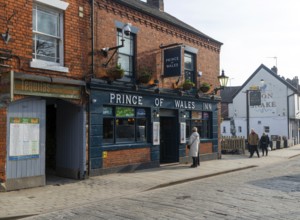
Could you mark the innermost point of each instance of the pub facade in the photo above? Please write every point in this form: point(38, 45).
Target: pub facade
point(136, 123)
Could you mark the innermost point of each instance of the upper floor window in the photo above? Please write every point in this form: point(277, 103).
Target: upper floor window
point(126, 54)
point(189, 66)
point(47, 26)
point(46, 34)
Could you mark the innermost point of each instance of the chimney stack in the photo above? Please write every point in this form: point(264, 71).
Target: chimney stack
point(295, 82)
point(159, 4)
point(274, 69)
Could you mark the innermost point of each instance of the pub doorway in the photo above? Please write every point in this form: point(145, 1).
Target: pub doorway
point(169, 141)
point(65, 140)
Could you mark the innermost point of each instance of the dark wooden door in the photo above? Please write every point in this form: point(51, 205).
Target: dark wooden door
point(169, 145)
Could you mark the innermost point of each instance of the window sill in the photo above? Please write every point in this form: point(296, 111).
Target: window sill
point(55, 3)
point(48, 66)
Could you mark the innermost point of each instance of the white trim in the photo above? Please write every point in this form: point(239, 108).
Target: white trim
point(54, 3)
point(40, 64)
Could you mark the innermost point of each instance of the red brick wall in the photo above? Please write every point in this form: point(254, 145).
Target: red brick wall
point(2, 143)
point(151, 34)
point(76, 38)
point(126, 157)
point(205, 148)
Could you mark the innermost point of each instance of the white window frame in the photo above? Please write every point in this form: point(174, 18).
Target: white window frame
point(60, 6)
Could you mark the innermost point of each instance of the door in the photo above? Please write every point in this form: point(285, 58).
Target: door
point(169, 145)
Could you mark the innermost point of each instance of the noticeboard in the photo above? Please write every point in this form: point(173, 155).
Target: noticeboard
point(24, 138)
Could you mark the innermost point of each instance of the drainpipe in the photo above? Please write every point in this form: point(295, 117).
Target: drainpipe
point(92, 2)
point(288, 113)
point(92, 29)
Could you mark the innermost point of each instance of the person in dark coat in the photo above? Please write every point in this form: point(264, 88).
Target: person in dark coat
point(264, 143)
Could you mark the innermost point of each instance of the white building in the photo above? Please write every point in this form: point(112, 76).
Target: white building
point(278, 113)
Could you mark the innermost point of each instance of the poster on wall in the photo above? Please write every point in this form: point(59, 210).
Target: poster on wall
point(24, 138)
point(156, 133)
point(182, 132)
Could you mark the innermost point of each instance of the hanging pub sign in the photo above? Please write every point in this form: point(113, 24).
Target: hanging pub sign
point(172, 62)
point(255, 98)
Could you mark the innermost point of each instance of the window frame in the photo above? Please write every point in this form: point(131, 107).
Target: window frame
point(53, 6)
point(200, 125)
point(128, 74)
point(136, 118)
point(192, 71)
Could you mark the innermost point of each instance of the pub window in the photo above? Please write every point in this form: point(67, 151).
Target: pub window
point(206, 125)
point(126, 54)
point(201, 120)
point(124, 125)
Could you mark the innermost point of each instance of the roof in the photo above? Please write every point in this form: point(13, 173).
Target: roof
point(164, 16)
point(228, 92)
point(262, 66)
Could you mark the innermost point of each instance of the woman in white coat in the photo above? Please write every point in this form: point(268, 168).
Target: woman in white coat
point(194, 146)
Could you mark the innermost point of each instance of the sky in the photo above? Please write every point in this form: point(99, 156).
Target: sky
point(253, 32)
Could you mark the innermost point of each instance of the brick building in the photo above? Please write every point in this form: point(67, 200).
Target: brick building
point(43, 62)
point(135, 123)
point(64, 111)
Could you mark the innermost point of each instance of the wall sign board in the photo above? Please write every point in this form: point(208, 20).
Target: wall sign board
point(172, 62)
point(255, 98)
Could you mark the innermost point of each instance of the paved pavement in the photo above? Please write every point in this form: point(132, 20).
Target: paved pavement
point(65, 193)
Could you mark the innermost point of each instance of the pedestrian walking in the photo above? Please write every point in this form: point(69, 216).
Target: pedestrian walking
point(264, 143)
point(253, 141)
point(194, 146)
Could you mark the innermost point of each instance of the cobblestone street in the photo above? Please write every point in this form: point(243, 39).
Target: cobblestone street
point(269, 191)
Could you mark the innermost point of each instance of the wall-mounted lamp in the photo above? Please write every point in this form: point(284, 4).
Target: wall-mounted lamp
point(93, 101)
point(183, 114)
point(155, 113)
point(126, 30)
point(223, 82)
point(6, 36)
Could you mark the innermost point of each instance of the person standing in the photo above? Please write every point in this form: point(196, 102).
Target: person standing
point(264, 143)
point(194, 146)
point(253, 141)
